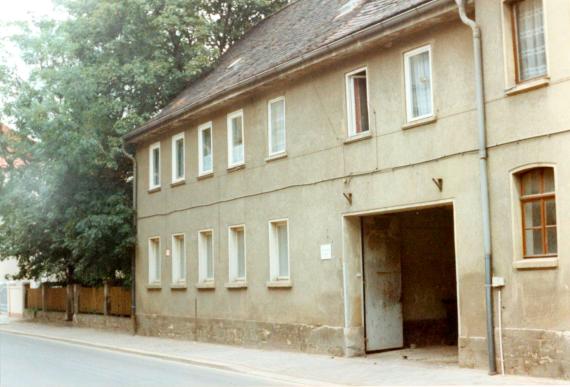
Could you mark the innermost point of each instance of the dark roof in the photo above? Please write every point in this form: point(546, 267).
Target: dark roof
point(297, 29)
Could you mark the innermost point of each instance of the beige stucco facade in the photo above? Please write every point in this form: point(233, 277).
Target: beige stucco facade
point(391, 170)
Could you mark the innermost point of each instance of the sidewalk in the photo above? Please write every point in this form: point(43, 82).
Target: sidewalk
point(298, 368)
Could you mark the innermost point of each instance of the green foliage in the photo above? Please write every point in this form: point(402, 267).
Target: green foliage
point(96, 75)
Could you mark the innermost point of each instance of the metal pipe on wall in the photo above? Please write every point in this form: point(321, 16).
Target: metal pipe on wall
point(133, 258)
point(484, 179)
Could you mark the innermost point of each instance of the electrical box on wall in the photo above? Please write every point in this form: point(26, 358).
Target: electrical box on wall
point(326, 251)
point(498, 282)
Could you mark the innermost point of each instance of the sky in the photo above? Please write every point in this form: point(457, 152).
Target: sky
point(21, 10)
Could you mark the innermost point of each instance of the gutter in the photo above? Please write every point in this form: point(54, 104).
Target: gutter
point(316, 55)
point(133, 258)
point(484, 180)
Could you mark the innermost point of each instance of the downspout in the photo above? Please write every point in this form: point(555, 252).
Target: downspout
point(484, 180)
point(133, 258)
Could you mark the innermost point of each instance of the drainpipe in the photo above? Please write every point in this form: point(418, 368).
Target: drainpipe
point(484, 180)
point(133, 258)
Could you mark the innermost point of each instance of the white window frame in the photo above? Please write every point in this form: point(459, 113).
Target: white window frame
point(274, 252)
point(269, 128)
point(232, 254)
point(202, 128)
point(202, 258)
point(350, 102)
point(408, 83)
point(182, 278)
point(153, 261)
point(151, 149)
point(175, 138)
point(231, 117)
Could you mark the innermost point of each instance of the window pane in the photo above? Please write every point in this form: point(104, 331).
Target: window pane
point(240, 242)
point(530, 36)
point(533, 242)
point(277, 119)
point(420, 79)
point(179, 158)
point(550, 205)
point(531, 182)
point(155, 258)
point(156, 166)
point(532, 214)
point(360, 103)
point(552, 240)
point(209, 256)
point(206, 149)
point(180, 260)
point(282, 241)
point(237, 140)
point(548, 180)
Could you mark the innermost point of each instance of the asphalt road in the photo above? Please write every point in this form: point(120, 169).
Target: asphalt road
point(28, 361)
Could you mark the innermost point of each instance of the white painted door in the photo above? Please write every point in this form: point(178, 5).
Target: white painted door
point(382, 284)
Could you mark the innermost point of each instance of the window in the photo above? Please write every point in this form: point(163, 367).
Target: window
point(279, 250)
point(154, 166)
point(538, 208)
point(277, 131)
point(178, 158)
point(236, 250)
point(418, 80)
point(205, 149)
point(178, 259)
point(206, 256)
point(235, 139)
point(357, 98)
point(154, 260)
point(530, 44)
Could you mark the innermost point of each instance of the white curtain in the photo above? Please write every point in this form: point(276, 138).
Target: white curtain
point(420, 78)
point(277, 126)
point(530, 35)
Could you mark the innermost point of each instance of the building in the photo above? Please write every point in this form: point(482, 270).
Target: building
point(319, 190)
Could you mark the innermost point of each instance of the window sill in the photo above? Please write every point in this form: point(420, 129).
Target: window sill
point(236, 285)
point(178, 183)
point(420, 122)
point(179, 286)
point(153, 286)
point(277, 156)
point(205, 176)
point(536, 263)
point(205, 286)
point(279, 284)
point(528, 86)
point(153, 190)
point(236, 167)
point(358, 137)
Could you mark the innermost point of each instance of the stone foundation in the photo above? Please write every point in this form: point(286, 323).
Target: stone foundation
point(290, 337)
point(537, 352)
point(534, 352)
point(96, 321)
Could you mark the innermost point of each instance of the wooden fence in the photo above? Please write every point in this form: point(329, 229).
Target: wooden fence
point(108, 300)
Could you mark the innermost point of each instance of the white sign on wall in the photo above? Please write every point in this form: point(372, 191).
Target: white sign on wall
point(326, 251)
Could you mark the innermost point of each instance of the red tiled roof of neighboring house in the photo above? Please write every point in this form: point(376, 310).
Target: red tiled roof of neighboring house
point(6, 131)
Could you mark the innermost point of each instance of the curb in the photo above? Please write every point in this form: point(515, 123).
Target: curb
point(179, 359)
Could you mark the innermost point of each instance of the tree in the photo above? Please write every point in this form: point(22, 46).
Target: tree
point(96, 75)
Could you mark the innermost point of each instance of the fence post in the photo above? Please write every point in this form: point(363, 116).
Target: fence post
point(44, 298)
point(76, 290)
point(106, 299)
point(26, 295)
point(69, 303)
